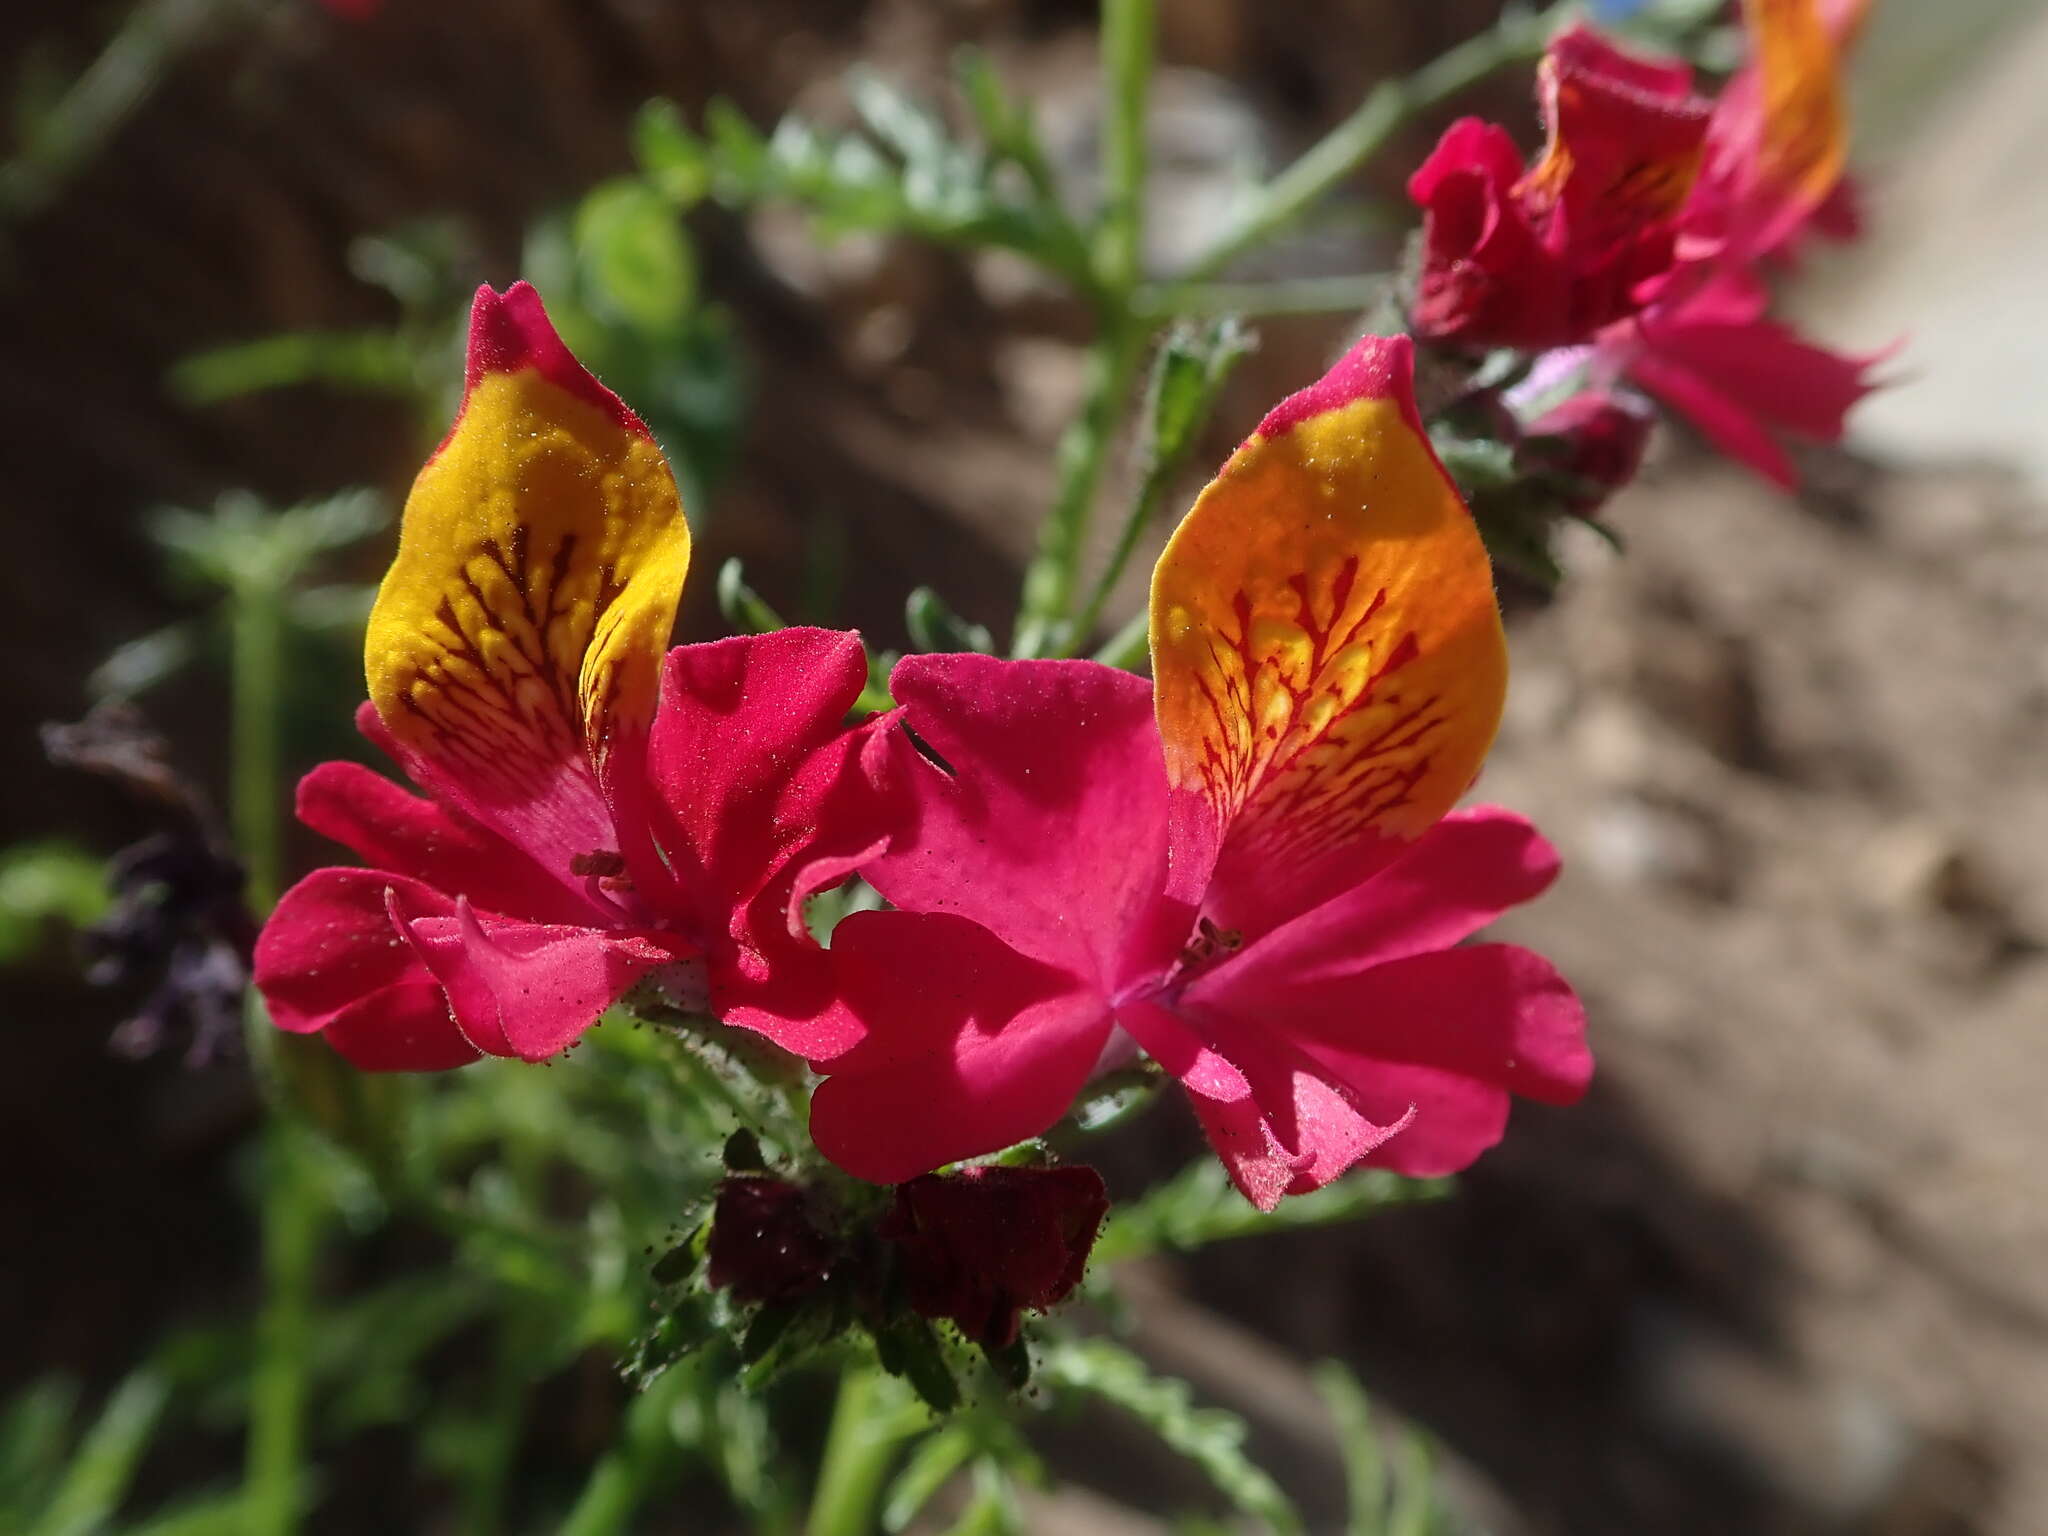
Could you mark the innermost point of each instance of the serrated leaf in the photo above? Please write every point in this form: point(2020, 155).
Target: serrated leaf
point(904, 125)
point(1199, 1206)
point(1212, 1438)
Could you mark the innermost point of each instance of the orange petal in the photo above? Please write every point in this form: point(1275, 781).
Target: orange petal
point(1805, 131)
point(1327, 654)
point(517, 639)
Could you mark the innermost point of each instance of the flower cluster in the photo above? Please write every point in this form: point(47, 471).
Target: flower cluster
point(1248, 869)
point(1634, 250)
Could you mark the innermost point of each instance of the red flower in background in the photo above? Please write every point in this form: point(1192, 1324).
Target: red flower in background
point(595, 815)
point(979, 1246)
point(1705, 344)
point(1545, 257)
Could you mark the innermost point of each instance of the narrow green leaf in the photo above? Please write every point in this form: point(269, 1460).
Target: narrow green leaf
point(98, 1478)
point(361, 362)
point(741, 604)
point(935, 1459)
point(908, 1348)
point(934, 626)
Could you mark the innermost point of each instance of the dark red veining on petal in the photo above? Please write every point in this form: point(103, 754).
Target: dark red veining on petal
point(1317, 804)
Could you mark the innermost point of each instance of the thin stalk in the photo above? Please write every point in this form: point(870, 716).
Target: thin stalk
point(1084, 450)
point(1292, 296)
point(1517, 37)
point(290, 1206)
point(257, 774)
point(1159, 476)
point(1128, 31)
point(869, 1424)
point(1128, 646)
point(292, 1219)
point(642, 1452)
point(1128, 28)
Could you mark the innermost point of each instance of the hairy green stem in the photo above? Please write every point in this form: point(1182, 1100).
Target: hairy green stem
point(1291, 296)
point(277, 1391)
point(1129, 645)
point(1158, 479)
point(1084, 449)
point(1128, 28)
point(871, 1418)
point(643, 1450)
point(290, 1206)
point(255, 789)
point(1518, 36)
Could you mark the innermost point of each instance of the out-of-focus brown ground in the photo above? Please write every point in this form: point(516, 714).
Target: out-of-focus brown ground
point(1783, 1272)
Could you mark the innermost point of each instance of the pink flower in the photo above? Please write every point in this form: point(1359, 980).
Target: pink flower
point(1545, 257)
point(1250, 876)
point(1704, 344)
point(1712, 353)
point(1779, 139)
point(594, 817)
point(979, 1246)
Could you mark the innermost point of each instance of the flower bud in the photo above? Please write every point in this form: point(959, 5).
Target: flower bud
point(980, 1245)
point(764, 1247)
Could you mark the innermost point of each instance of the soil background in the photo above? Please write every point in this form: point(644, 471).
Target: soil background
point(1786, 1271)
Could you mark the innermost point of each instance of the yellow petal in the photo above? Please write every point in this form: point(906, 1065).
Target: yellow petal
point(1327, 653)
point(517, 638)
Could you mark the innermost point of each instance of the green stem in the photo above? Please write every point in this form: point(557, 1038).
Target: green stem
point(643, 1451)
point(1084, 450)
point(1292, 296)
point(1128, 29)
point(292, 1218)
point(1518, 36)
point(1158, 478)
point(1128, 646)
point(290, 1206)
point(257, 775)
point(869, 1423)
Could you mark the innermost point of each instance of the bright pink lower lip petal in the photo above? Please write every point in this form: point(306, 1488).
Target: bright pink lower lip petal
point(330, 961)
point(1455, 879)
point(392, 829)
point(1278, 1125)
point(970, 1046)
point(1048, 825)
point(1494, 1013)
point(528, 989)
point(764, 799)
